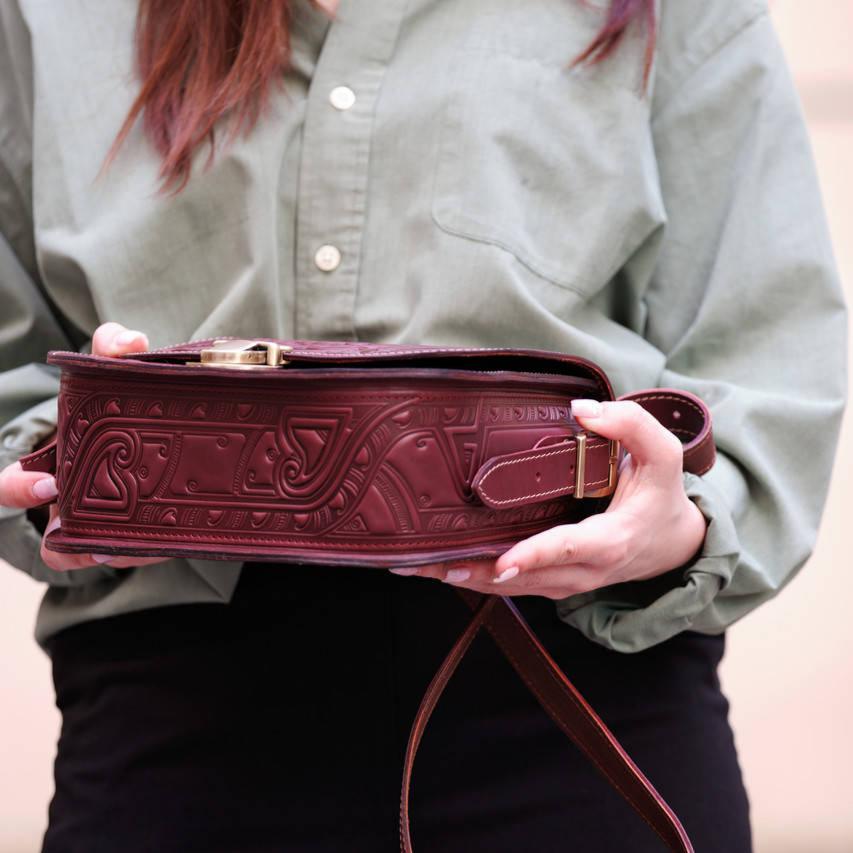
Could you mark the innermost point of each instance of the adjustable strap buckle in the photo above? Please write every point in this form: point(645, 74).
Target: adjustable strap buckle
point(581, 491)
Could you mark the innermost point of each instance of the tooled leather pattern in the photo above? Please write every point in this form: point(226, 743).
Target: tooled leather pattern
point(337, 466)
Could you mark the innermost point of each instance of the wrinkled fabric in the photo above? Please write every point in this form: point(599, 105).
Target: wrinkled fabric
point(480, 192)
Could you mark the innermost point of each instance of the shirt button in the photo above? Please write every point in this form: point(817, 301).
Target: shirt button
point(327, 258)
point(342, 97)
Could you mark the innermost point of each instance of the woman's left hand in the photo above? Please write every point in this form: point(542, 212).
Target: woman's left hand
point(649, 527)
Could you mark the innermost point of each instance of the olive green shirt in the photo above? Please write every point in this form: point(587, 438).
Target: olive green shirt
point(435, 172)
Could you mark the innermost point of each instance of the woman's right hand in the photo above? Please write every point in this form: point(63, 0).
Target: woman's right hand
point(25, 489)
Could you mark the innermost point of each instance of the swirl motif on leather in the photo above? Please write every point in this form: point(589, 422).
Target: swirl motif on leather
point(293, 467)
point(353, 453)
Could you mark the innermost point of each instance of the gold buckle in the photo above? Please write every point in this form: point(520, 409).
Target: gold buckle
point(580, 469)
point(244, 354)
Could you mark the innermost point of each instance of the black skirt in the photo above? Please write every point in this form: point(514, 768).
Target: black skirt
point(278, 723)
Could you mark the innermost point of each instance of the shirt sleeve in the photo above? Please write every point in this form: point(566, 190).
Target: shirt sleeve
point(29, 327)
point(744, 303)
point(28, 394)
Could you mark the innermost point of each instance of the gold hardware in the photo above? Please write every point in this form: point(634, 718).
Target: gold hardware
point(580, 463)
point(580, 469)
point(244, 354)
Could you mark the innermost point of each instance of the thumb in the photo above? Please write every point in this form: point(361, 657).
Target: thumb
point(114, 339)
point(17, 487)
point(641, 434)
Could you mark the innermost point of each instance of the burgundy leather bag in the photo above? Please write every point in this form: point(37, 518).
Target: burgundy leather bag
point(358, 454)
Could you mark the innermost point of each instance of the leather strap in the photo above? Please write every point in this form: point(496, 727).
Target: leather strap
point(428, 703)
point(43, 459)
point(688, 417)
point(561, 701)
point(549, 470)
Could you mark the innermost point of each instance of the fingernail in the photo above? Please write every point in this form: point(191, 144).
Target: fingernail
point(586, 408)
point(457, 576)
point(103, 558)
point(45, 488)
point(507, 574)
point(52, 525)
point(125, 338)
point(405, 571)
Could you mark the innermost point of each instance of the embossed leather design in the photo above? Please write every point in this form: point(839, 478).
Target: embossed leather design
point(355, 453)
point(351, 453)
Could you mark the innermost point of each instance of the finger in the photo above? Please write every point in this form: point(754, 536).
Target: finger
point(116, 561)
point(554, 583)
point(62, 562)
point(601, 540)
point(114, 339)
point(642, 435)
point(22, 489)
point(452, 572)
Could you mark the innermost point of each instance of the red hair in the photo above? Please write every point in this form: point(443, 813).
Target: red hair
point(202, 59)
point(619, 17)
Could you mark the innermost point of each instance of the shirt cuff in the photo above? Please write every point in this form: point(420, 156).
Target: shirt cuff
point(633, 616)
point(20, 435)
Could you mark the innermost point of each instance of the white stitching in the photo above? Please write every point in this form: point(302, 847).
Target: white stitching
point(561, 489)
point(681, 400)
point(36, 456)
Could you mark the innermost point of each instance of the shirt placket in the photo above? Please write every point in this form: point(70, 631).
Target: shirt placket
point(332, 192)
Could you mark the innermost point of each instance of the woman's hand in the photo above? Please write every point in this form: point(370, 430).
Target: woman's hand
point(649, 527)
point(25, 489)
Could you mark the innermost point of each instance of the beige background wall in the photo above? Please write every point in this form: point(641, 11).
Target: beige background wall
point(789, 668)
point(788, 671)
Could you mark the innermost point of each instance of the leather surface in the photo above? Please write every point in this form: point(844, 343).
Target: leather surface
point(354, 453)
point(351, 453)
point(43, 459)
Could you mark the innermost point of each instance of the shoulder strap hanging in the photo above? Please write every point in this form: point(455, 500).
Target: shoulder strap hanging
point(689, 418)
point(560, 700)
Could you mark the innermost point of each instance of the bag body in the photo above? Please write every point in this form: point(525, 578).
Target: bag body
point(326, 452)
point(343, 453)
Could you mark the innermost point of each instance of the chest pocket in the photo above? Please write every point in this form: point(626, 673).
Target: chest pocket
point(548, 163)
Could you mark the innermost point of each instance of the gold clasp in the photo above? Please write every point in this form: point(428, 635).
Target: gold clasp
point(580, 469)
point(244, 354)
